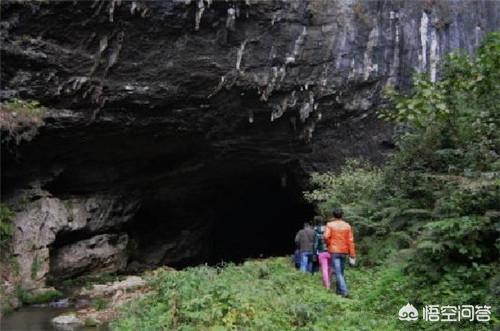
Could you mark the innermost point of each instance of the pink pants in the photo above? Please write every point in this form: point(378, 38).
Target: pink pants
point(324, 259)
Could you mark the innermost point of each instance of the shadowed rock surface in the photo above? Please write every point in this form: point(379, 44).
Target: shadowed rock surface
point(192, 126)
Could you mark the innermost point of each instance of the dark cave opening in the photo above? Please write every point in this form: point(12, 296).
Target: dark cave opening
point(260, 221)
point(249, 213)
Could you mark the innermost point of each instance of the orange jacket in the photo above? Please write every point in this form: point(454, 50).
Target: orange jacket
point(339, 238)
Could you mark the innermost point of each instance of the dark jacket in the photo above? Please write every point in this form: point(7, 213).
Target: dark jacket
point(305, 240)
point(319, 240)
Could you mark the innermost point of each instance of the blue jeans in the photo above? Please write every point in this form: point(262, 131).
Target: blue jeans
point(296, 259)
point(338, 261)
point(305, 261)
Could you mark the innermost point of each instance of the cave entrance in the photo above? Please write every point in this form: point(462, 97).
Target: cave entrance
point(261, 219)
point(247, 213)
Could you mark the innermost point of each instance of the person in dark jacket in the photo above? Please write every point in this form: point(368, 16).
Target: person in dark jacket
point(296, 259)
point(305, 242)
point(322, 253)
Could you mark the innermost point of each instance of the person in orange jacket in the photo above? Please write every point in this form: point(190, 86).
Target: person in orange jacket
point(340, 243)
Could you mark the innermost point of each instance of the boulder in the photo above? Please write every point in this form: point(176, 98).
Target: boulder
point(101, 253)
point(67, 322)
point(48, 221)
point(130, 283)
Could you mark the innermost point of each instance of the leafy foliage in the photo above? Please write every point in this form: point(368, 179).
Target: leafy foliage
point(356, 181)
point(20, 120)
point(29, 298)
point(5, 225)
point(30, 107)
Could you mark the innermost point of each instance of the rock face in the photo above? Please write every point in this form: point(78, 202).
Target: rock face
point(180, 123)
point(102, 253)
point(51, 223)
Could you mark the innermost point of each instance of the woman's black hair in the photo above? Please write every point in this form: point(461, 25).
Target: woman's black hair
point(337, 213)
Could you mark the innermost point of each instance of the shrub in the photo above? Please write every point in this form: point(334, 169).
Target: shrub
point(26, 107)
point(29, 298)
point(99, 303)
point(356, 182)
point(6, 216)
point(20, 119)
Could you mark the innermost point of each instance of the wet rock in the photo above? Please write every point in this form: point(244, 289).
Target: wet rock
point(63, 303)
point(67, 322)
point(114, 294)
point(102, 253)
point(82, 303)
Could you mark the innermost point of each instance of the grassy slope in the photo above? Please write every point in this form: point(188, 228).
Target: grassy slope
point(271, 295)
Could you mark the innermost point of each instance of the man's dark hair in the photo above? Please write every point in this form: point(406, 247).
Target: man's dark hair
point(318, 220)
point(337, 213)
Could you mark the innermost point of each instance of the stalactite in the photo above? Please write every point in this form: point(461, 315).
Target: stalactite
point(200, 8)
point(113, 58)
point(424, 22)
point(231, 18)
point(239, 55)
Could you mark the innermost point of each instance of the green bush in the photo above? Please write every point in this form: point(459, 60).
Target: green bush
point(27, 107)
point(29, 298)
point(99, 303)
point(6, 215)
point(357, 181)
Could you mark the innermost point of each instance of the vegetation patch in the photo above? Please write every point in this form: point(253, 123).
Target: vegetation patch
point(45, 296)
point(20, 119)
point(271, 295)
point(100, 303)
point(6, 231)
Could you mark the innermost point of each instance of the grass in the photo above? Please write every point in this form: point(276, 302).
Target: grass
point(47, 296)
point(100, 303)
point(271, 295)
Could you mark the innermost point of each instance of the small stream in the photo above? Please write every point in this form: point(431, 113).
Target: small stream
point(38, 319)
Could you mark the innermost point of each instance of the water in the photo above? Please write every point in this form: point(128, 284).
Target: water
point(37, 319)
